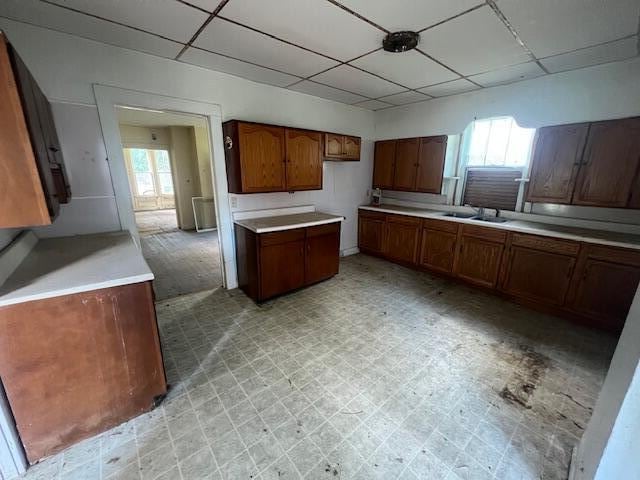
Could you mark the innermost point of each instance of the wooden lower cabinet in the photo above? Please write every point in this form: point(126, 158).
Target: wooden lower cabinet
point(402, 238)
point(589, 283)
point(270, 264)
point(76, 365)
point(604, 284)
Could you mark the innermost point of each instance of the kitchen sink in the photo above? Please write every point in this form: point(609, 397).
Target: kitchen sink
point(460, 215)
point(489, 219)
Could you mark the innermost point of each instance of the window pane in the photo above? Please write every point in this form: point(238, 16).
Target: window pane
point(144, 184)
point(498, 140)
point(139, 160)
point(166, 183)
point(162, 161)
point(520, 144)
point(478, 146)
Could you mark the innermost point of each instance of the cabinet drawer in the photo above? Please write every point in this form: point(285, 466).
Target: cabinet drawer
point(442, 225)
point(563, 247)
point(285, 236)
point(403, 219)
point(320, 230)
point(613, 254)
point(372, 214)
point(485, 233)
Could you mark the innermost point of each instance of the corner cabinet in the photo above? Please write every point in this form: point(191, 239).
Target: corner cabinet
point(270, 264)
point(266, 158)
point(410, 164)
point(33, 181)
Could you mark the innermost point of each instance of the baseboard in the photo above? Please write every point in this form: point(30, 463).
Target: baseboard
point(349, 251)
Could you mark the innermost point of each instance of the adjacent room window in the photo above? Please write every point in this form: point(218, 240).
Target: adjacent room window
point(495, 156)
point(150, 178)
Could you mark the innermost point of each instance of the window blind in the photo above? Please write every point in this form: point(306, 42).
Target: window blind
point(492, 188)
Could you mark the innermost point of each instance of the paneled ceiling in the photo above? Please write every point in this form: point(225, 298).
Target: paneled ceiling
point(332, 48)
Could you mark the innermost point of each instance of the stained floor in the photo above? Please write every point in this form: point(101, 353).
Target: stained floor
point(182, 261)
point(378, 373)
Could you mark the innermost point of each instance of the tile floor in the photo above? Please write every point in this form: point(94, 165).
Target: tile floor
point(156, 221)
point(378, 373)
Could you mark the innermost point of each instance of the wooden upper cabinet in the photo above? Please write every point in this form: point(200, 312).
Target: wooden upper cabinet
point(341, 147)
point(609, 164)
point(32, 178)
point(555, 162)
point(404, 177)
point(431, 157)
point(261, 150)
point(384, 164)
point(304, 162)
point(268, 158)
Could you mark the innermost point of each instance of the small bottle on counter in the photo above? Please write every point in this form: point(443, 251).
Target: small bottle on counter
point(376, 196)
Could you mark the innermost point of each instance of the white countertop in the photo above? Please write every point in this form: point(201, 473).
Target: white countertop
point(287, 222)
point(602, 237)
point(64, 266)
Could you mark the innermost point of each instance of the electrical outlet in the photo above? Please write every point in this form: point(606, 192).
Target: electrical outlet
point(234, 202)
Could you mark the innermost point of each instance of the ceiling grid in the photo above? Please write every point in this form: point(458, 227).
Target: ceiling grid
point(332, 48)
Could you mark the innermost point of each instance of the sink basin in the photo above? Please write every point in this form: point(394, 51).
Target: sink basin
point(489, 219)
point(459, 215)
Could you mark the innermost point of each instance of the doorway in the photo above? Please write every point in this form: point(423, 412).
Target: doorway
point(169, 170)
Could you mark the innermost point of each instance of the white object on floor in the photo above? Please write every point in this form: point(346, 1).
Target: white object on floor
point(68, 265)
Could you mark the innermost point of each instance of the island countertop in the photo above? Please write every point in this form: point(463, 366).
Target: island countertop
point(68, 265)
point(287, 222)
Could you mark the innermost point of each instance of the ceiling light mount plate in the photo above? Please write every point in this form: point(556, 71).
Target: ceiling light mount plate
point(398, 42)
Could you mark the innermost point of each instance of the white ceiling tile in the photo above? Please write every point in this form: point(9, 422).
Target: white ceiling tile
point(314, 24)
point(208, 5)
point(405, 98)
point(219, 63)
point(67, 21)
point(224, 37)
point(373, 105)
point(323, 91)
point(411, 69)
point(409, 14)
point(356, 81)
point(169, 18)
point(472, 43)
point(608, 52)
point(549, 27)
point(513, 73)
point(449, 88)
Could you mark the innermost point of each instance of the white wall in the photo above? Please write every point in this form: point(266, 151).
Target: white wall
point(66, 67)
point(597, 93)
point(610, 446)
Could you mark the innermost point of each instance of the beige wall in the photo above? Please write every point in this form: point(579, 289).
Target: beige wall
point(134, 136)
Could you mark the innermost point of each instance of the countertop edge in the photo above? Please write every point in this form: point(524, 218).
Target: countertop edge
point(119, 282)
point(438, 215)
point(290, 226)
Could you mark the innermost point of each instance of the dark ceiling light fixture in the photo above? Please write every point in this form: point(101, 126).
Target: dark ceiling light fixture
point(398, 42)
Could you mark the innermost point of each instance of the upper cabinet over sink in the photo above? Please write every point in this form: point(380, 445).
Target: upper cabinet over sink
point(410, 164)
point(33, 182)
point(591, 164)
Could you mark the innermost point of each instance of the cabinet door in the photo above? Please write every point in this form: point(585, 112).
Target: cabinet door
point(384, 164)
point(333, 145)
point(555, 162)
point(537, 275)
point(262, 158)
point(431, 164)
point(478, 261)
point(604, 292)
point(402, 239)
point(281, 268)
point(304, 159)
point(438, 250)
point(370, 234)
point(323, 253)
point(352, 148)
point(404, 177)
point(610, 163)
